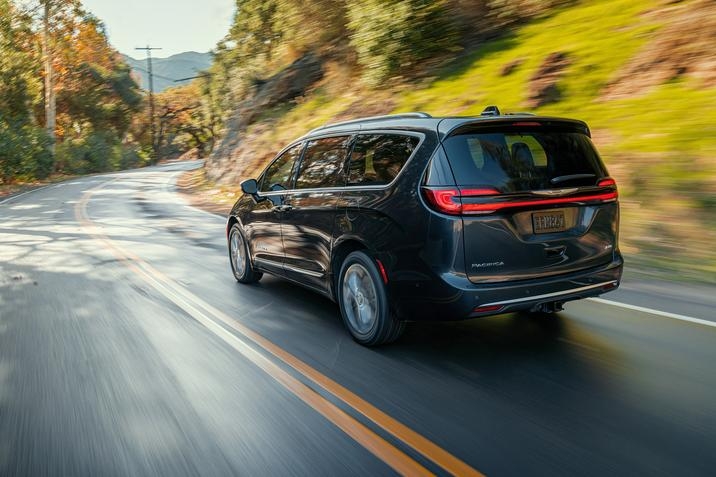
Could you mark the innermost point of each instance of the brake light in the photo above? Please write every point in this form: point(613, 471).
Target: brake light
point(527, 124)
point(449, 200)
point(608, 182)
point(442, 200)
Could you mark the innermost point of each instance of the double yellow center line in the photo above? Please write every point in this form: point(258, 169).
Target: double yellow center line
point(211, 317)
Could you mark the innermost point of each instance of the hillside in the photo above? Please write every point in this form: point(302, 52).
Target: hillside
point(166, 70)
point(641, 73)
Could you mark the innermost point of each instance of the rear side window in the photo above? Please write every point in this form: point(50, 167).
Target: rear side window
point(524, 160)
point(378, 158)
point(323, 163)
point(278, 174)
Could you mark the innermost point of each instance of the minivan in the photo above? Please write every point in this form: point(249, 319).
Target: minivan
point(411, 217)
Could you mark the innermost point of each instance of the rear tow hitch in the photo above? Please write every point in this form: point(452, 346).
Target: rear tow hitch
point(549, 307)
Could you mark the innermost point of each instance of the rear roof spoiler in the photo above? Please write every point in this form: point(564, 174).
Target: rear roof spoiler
point(448, 128)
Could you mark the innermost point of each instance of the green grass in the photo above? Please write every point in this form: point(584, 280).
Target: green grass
point(661, 145)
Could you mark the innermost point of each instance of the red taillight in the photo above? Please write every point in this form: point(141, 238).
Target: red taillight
point(449, 200)
point(495, 206)
point(608, 182)
point(442, 200)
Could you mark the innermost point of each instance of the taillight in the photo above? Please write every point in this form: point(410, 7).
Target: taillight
point(446, 201)
point(450, 200)
point(611, 183)
point(608, 182)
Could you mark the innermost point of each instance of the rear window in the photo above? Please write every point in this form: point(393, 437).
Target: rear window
point(524, 160)
point(377, 159)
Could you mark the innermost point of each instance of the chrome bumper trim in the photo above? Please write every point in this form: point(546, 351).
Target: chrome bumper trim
point(552, 295)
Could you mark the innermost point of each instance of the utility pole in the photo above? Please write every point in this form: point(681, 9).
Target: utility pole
point(152, 127)
point(50, 100)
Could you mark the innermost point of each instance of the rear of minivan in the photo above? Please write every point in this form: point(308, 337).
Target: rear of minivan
point(537, 210)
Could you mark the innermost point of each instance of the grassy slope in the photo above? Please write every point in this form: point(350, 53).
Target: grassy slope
point(661, 145)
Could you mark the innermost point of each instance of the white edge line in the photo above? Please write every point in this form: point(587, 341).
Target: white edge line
point(655, 312)
point(17, 196)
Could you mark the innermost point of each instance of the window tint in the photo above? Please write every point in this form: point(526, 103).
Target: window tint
point(323, 162)
point(378, 158)
point(278, 174)
point(524, 160)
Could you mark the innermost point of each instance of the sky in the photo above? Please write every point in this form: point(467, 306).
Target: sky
point(173, 25)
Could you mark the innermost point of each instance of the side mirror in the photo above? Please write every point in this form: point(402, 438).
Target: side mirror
point(250, 186)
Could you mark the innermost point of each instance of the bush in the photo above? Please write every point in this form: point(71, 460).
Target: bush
point(24, 152)
point(396, 34)
point(98, 152)
point(132, 158)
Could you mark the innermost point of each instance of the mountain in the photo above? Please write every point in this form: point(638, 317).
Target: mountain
point(166, 70)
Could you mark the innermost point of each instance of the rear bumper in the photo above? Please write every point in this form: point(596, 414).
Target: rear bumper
point(456, 298)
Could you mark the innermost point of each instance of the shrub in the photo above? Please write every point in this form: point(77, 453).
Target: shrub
point(24, 152)
point(98, 152)
point(396, 34)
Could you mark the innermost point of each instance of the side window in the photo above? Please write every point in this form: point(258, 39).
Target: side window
point(378, 158)
point(278, 174)
point(323, 162)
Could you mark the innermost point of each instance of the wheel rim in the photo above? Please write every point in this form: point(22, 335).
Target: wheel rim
point(238, 252)
point(360, 299)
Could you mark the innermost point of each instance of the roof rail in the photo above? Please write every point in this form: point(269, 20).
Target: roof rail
point(375, 118)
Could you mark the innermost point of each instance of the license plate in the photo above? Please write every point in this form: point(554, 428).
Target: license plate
point(546, 222)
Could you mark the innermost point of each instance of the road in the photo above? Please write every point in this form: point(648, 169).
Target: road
point(127, 348)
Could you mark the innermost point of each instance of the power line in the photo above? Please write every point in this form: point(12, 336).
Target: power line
point(156, 75)
point(203, 75)
point(152, 127)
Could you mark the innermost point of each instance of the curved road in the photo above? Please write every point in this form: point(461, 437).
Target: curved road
point(126, 348)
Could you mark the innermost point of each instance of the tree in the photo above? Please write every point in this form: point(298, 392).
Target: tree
point(23, 146)
point(184, 121)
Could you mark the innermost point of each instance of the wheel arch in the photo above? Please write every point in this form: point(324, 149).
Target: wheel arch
point(230, 223)
point(341, 249)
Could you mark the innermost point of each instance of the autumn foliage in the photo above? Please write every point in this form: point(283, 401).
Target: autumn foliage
point(96, 97)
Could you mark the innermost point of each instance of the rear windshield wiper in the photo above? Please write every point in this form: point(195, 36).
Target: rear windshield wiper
point(558, 179)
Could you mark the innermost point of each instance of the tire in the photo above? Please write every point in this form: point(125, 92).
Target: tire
point(240, 259)
point(363, 300)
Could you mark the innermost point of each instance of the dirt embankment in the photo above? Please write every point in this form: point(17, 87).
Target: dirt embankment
point(684, 47)
point(237, 153)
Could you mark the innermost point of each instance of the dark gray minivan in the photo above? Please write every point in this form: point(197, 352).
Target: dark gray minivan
point(411, 217)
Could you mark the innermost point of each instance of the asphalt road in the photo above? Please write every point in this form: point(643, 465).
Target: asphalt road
point(127, 348)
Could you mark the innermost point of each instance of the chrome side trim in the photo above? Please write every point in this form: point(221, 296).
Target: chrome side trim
point(310, 273)
point(289, 267)
point(268, 262)
point(551, 295)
